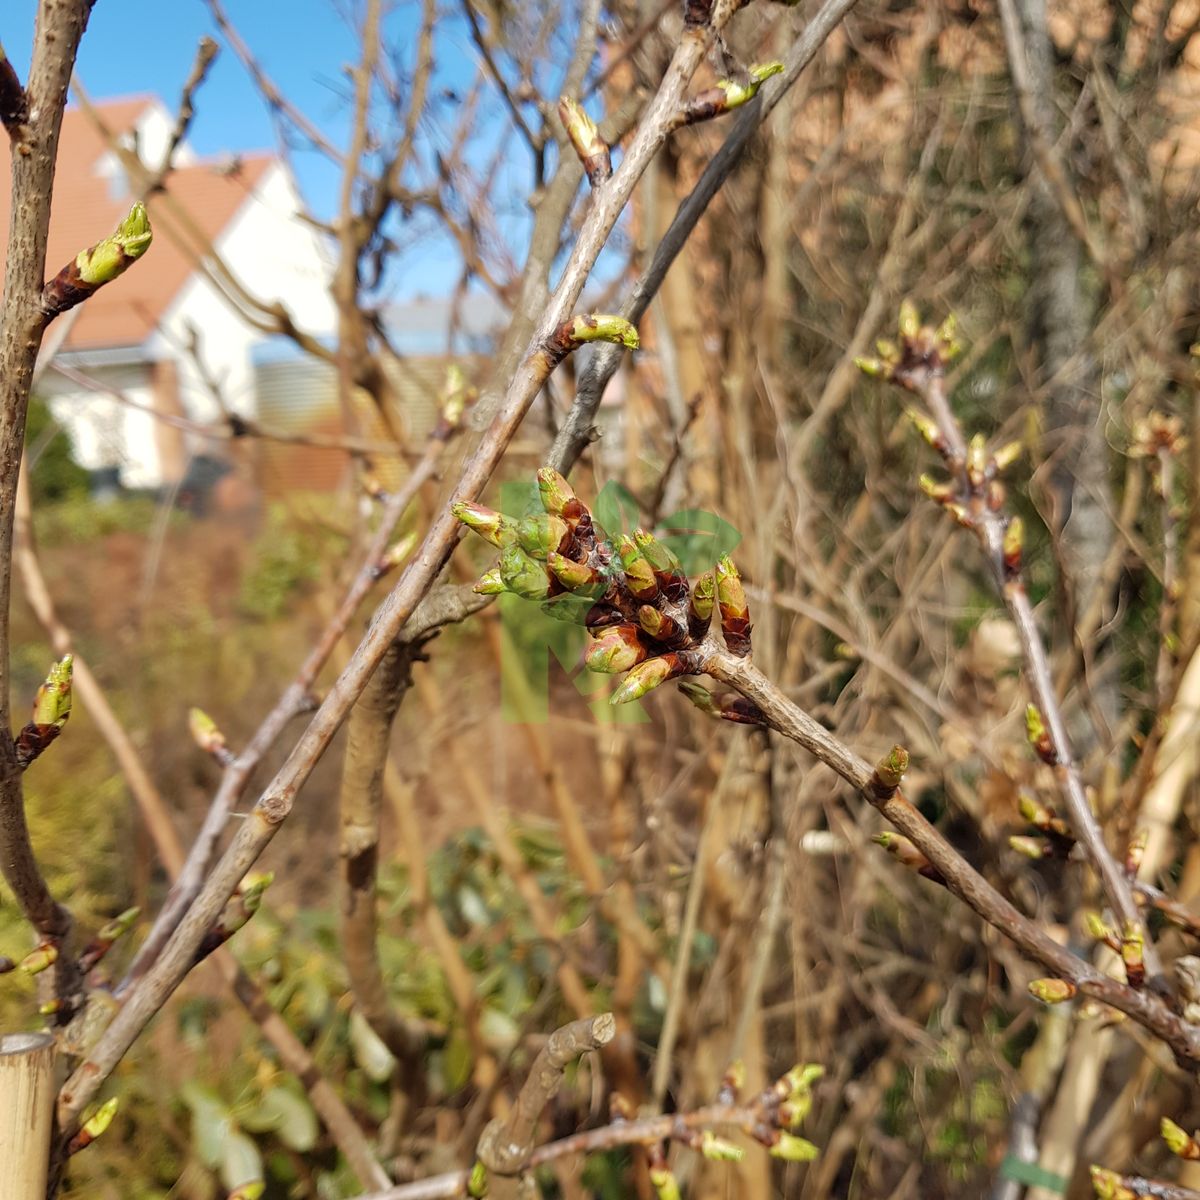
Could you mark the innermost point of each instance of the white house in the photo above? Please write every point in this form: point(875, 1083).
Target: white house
point(135, 335)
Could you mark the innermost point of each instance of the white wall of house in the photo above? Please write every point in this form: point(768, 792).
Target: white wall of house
point(277, 258)
point(107, 432)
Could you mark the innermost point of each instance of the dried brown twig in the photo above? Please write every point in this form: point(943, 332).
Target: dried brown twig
point(507, 1150)
point(959, 877)
point(506, 1144)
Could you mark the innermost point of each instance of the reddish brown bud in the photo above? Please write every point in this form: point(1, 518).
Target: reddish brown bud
point(661, 627)
point(734, 611)
point(639, 575)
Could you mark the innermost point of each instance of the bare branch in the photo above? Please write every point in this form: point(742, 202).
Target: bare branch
point(294, 700)
point(22, 325)
point(506, 1144)
point(275, 99)
point(338, 1119)
point(206, 53)
point(360, 803)
point(976, 497)
point(576, 430)
point(960, 877)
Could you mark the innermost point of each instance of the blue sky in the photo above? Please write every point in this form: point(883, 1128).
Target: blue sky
point(134, 46)
point(303, 45)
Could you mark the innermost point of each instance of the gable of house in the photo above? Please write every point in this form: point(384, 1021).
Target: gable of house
point(91, 197)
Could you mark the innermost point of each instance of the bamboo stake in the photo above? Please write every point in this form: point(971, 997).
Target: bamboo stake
point(26, 1113)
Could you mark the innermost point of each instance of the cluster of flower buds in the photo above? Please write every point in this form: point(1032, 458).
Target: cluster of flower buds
point(917, 362)
point(1129, 944)
point(239, 908)
point(1053, 840)
point(921, 349)
point(644, 617)
point(786, 1105)
point(51, 708)
point(1155, 434)
point(772, 1118)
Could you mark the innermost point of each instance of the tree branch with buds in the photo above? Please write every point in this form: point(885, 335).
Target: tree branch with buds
point(648, 623)
point(975, 497)
point(274, 806)
point(773, 1119)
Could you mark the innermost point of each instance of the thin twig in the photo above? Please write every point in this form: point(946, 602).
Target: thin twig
point(274, 98)
point(234, 426)
point(677, 996)
point(645, 1131)
point(576, 431)
point(990, 523)
point(206, 53)
point(341, 1123)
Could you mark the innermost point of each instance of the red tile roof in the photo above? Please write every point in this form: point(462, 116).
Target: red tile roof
point(125, 312)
